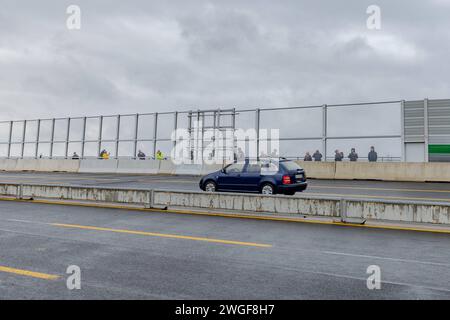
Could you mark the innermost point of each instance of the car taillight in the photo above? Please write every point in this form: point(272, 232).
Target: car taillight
point(286, 180)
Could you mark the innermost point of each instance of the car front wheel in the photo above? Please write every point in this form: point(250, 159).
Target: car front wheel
point(210, 186)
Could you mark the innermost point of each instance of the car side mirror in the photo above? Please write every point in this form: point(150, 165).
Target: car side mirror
point(223, 170)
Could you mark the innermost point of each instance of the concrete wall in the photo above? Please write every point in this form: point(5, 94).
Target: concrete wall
point(405, 211)
point(387, 171)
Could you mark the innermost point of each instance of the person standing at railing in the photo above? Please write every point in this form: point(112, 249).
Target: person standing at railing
point(373, 156)
point(317, 156)
point(338, 156)
point(159, 155)
point(307, 157)
point(75, 156)
point(141, 155)
point(353, 156)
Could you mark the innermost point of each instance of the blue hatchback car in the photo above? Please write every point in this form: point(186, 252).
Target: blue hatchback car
point(266, 177)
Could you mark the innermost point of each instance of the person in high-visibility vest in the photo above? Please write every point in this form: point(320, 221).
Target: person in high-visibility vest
point(159, 155)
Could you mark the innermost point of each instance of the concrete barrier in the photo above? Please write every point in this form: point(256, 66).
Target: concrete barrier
point(318, 170)
point(8, 164)
point(166, 167)
point(48, 165)
point(380, 171)
point(404, 211)
point(436, 172)
point(138, 166)
point(98, 166)
point(385, 171)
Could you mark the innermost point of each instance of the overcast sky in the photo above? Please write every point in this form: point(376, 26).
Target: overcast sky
point(144, 56)
point(138, 56)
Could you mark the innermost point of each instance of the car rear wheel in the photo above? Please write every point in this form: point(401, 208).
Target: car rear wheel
point(210, 186)
point(267, 188)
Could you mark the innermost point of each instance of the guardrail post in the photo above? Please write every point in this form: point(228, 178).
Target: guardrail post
point(19, 193)
point(150, 199)
point(343, 210)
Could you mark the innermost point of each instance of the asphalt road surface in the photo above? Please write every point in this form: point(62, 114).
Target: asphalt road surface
point(138, 255)
point(414, 191)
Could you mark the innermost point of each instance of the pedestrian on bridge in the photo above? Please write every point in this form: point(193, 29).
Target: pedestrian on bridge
point(338, 156)
point(159, 155)
point(317, 156)
point(75, 156)
point(373, 156)
point(141, 155)
point(307, 157)
point(353, 156)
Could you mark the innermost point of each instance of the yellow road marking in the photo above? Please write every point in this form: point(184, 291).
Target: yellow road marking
point(153, 234)
point(27, 273)
point(378, 189)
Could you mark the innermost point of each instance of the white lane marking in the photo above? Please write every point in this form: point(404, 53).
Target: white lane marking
point(386, 258)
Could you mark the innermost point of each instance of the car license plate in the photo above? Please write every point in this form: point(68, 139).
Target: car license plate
point(299, 176)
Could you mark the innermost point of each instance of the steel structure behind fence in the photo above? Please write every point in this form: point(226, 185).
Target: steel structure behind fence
point(301, 128)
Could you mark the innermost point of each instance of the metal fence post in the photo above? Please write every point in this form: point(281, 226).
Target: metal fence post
point(52, 139)
point(66, 151)
point(324, 130)
point(24, 131)
point(136, 132)
point(426, 129)
point(83, 138)
point(38, 137)
point(117, 137)
point(100, 136)
point(403, 142)
point(257, 127)
point(155, 134)
point(11, 124)
point(175, 128)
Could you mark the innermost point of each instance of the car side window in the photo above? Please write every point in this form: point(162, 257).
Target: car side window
point(254, 168)
point(235, 168)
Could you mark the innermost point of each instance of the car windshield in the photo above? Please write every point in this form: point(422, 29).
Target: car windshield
point(291, 165)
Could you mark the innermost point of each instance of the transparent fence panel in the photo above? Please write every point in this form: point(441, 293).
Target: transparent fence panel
point(92, 129)
point(44, 150)
point(4, 131)
point(16, 150)
point(29, 150)
point(245, 120)
point(109, 130)
point(59, 150)
point(17, 132)
point(364, 120)
point(60, 134)
point(76, 129)
point(45, 132)
point(127, 128)
point(126, 149)
point(293, 123)
point(3, 150)
point(165, 125)
point(90, 150)
point(146, 127)
point(74, 147)
point(31, 132)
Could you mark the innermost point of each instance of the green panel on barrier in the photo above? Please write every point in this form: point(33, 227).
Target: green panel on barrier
point(439, 148)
